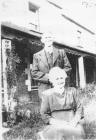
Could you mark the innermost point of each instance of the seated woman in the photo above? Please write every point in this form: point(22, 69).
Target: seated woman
point(61, 110)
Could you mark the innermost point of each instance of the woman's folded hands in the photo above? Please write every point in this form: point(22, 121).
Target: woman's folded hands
point(67, 127)
point(62, 124)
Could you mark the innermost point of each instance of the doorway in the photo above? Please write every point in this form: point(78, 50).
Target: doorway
point(90, 69)
point(74, 75)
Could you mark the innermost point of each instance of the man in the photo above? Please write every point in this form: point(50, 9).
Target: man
point(47, 58)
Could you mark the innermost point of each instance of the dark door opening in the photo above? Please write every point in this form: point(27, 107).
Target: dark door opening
point(89, 70)
point(74, 77)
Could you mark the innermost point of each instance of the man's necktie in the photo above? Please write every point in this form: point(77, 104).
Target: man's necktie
point(50, 59)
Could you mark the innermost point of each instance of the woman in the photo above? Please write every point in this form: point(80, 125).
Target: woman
point(61, 110)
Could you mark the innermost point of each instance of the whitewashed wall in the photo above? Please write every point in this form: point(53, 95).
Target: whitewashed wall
point(65, 31)
point(17, 13)
point(50, 20)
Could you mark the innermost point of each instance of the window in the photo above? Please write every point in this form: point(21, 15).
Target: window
point(32, 7)
point(33, 16)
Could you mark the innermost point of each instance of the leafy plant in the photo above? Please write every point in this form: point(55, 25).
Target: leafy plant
point(12, 61)
point(88, 99)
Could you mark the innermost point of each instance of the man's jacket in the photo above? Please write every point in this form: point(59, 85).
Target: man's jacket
point(41, 66)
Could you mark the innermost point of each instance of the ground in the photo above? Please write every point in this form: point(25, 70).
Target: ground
point(25, 130)
point(28, 128)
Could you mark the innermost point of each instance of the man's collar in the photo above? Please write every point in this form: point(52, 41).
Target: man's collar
point(48, 51)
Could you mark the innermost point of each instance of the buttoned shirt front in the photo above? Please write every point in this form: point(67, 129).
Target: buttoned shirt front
point(50, 59)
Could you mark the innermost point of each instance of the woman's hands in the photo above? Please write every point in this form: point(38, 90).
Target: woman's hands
point(75, 120)
point(62, 123)
point(73, 123)
point(67, 127)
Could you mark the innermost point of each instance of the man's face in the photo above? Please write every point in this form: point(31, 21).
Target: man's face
point(48, 44)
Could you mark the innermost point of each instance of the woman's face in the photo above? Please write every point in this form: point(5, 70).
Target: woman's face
point(59, 83)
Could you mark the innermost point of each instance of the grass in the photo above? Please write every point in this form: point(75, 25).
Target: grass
point(26, 130)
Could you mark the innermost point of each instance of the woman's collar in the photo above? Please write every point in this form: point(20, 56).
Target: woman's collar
point(59, 94)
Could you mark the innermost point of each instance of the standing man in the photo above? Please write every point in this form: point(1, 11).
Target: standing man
point(45, 59)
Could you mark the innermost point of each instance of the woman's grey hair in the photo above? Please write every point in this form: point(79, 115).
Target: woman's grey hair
point(56, 72)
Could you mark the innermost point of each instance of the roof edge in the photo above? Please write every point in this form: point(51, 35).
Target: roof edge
point(22, 29)
point(71, 48)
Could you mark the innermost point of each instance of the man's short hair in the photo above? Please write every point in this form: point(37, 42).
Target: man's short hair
point(46, 36)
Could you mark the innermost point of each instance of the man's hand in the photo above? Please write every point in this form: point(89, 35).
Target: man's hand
point(47, 75)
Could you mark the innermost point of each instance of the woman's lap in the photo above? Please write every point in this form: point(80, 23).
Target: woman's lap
point(52, 132)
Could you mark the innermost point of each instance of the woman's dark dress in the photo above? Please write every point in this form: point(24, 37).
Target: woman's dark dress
point(62, 107)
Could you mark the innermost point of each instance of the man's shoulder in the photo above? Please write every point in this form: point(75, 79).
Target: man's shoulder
point(39, 53)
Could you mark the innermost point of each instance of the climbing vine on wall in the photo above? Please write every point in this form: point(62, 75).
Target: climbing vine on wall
point(12, 62)
point(21, 53)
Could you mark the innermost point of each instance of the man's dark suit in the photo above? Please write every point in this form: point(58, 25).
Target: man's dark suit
point(42, 65)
